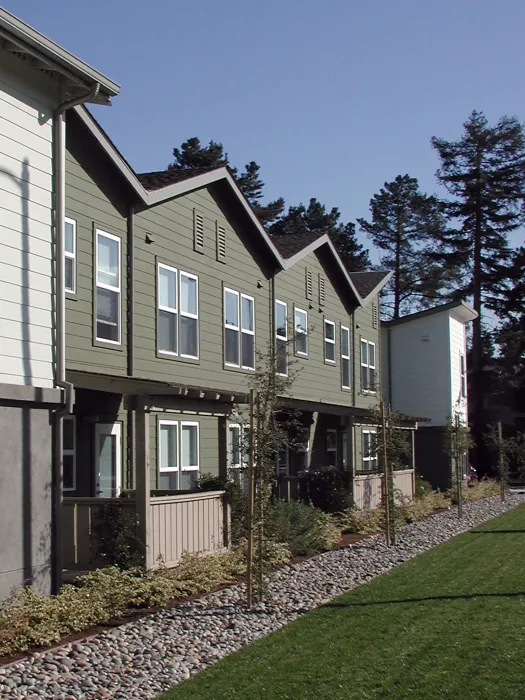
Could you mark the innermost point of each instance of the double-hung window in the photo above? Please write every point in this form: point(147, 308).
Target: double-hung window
point(70, 253)
point(463, 376)
point(108, 290)
point(331, 447)
point(282, 461)
point(178, 312)
point(189, 315)
point(281, 337)
point(369, 450)
point(167, 330)
point(301, 332)
point(69, 454)
point(345, 357)
point(178, 454)
point(329, 341)
point(239, 329)
point(368, 366)
point(238, 445)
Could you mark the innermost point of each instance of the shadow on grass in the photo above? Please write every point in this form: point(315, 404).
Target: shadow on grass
point(465, 596)
point(494, 532)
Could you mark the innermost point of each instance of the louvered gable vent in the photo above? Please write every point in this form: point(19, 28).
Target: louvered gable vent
point(308, 282)
point(221, 243)
point(321, 290)
point(375, 316)
point(198, 232)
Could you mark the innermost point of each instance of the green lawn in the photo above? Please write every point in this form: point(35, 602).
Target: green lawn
point(448, 624)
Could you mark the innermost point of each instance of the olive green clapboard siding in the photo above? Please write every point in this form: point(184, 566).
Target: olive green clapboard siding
point(92, 208)
point(208, 442)
point(364, 329)
point(170, 228)
point(315, 380)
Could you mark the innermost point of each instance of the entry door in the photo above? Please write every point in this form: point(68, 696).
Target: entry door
point(108, 459)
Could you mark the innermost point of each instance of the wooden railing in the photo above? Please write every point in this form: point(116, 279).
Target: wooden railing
point(368, 488)
point(193, 523)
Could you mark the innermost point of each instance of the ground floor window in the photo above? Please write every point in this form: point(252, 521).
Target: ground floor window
point(282, 462)
point(178, 454)
point(369, 462)
point(331, 448)
point(69, 453)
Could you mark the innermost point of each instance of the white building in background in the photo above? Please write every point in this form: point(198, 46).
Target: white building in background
point(424, 374)
point(39, 81)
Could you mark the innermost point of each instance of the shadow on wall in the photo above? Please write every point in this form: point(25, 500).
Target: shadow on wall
point(23, 182)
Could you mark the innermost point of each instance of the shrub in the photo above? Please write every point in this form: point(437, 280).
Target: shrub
point(482, 489)
point(305, 529)
point(423, 487)
point(116, 528)
point(329, 489)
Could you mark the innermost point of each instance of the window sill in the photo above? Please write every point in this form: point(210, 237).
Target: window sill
point(177, 358)
point(108, 345)
point(234, 368)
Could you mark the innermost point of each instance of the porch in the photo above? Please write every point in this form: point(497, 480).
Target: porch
point(179, 523)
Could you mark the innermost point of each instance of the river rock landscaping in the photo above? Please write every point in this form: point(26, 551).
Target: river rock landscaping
point(147, 656)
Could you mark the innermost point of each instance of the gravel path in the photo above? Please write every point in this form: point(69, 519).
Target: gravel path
point(145, 657)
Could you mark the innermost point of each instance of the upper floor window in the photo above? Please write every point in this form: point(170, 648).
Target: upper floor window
point(369, 450)
point(368, 366)
point(178, 312)
point(301, 331)
point(345, 357)
point(281, 337)
point(329, 341)
point(108, 289)
point(463, 371)
point(69, 453)
point(70, 254)
point(239, 329)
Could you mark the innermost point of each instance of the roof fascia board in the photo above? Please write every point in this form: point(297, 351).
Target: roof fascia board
point(377, 288)
point(51, 51)
point(448, 309)
point(178, 188)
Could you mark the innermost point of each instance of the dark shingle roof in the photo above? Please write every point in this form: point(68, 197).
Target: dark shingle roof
point(289, 245)
point(162, 178)
point(366, 282)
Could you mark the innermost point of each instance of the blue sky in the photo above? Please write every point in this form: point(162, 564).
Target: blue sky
point(330, 97)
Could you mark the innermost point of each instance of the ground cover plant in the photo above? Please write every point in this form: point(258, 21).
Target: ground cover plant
point(446, 624)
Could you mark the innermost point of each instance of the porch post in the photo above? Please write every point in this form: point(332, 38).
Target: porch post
point(142, 478)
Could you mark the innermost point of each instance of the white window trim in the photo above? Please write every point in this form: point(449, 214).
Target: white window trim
point(329, 341)
point(72, 256)
point(463, 375)
point(244, 458)
point(172, 310)
point(193, 467)
point(371, 458)
point(367, 364)
point(166, 470)
point(246, 331)
point(345, 357)
point(332, 449)
point(301, 331)
point(101, 285)
point(232, 326)
point(285, 336)
point(186, 314)
point(69, 453)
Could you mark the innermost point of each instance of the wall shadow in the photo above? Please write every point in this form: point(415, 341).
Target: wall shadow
point(425, 599)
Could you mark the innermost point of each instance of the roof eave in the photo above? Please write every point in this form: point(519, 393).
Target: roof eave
point(25, 37)
point(377, 288)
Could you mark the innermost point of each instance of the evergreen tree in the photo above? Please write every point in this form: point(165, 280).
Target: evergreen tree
point(193, 157)
point(484, 172)
point(316, 219)
point(405, 225)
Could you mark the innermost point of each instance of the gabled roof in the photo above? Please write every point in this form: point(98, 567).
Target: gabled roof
point(160, 186)
point(459, 310)
point(295, 247)
point(20, 38)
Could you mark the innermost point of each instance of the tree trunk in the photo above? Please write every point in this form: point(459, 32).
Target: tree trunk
point(397, 272)
point(476, 396)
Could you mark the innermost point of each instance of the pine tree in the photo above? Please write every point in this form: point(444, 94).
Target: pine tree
point(193, 157)
point(405, 225)
point(316, 219)
point(484, 172)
